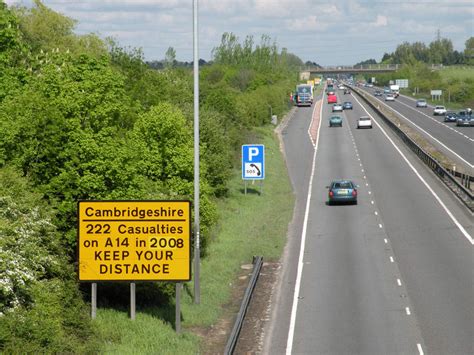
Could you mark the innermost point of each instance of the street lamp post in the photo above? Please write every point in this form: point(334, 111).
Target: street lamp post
point(197, 247)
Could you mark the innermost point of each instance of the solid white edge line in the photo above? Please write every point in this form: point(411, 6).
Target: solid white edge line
point(449, 213)
point(429, 135)
point(420, 349)
point(432, 118)
point(291, 330)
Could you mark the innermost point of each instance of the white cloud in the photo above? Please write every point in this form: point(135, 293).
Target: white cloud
point(347, 29)
point(381, 21)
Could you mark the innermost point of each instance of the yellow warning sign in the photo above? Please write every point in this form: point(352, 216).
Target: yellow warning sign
point(134, 240)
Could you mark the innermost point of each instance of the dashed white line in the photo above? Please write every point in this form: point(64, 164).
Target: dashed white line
point(448, 212)
point(370, 192)
point(376, 213)
point(420, 349)
point(372, 202)
point(385, 241)
point(391, 259)
point(408, 311)
point(380, 226)
point(399, 282)
point(441, 123)
point(428, 134)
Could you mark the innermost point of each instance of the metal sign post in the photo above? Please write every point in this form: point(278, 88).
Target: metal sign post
point(93, 300)
point(178, 308)
point(132, 301)
point(253, 164)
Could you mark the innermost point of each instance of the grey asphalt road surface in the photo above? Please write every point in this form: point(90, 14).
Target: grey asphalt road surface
point(391, 275)
point(459, 140)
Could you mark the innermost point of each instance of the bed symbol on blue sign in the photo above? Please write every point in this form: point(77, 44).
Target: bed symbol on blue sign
point(253, 162)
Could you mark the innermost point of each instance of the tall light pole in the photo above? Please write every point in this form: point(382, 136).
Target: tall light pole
point(197, 247)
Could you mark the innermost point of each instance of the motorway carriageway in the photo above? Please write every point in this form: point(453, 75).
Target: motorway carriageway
point(391, 275)
point(456, 142)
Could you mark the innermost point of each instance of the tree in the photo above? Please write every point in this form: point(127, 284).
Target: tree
point(469, 51)
point(46, 30)
point(170, 57)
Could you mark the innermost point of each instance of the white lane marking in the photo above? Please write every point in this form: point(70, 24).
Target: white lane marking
point(376, 213)
point(449, 213)
point(420, 349)
point(370, 192)
point(399, 282)
point(441, 123)
point(372, 202)
point(429, 135)
point(366, 184)
point(391, 259)
point(365, 177)
point(408, 311)
point(385, 240)
point(380, 226)
point(294, 308)
point(362, 170)
point(311, 122)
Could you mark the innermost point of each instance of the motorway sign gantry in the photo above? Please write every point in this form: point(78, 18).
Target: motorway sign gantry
point(253, 162)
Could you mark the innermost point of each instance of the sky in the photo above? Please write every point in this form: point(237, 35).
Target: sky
point(341, 32)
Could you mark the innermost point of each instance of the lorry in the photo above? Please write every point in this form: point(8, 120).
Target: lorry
point(395, 90)
point(304, 95)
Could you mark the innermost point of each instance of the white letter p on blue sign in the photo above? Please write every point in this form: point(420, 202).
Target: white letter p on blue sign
point(253, 152)
point(253, 162)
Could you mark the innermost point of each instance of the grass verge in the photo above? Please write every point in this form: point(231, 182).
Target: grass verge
point(251, 224)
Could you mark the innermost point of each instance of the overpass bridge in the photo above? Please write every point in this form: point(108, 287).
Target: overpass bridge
point(306, 72)
point(354, 69)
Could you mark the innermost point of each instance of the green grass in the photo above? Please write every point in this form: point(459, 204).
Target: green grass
point(457, 72)
point(251, 224)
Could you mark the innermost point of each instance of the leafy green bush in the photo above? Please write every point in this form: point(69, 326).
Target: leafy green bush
point(40, 306)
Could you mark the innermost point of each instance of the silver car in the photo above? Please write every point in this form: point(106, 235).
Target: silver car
point(421, 103)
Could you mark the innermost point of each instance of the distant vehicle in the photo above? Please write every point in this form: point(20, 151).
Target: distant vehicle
point(439, 110)
point(464, 121)
point(335, 121)
point(364, 122)
point(347, 105)
point(341, 87)
point(337, 108)
point(450, 116)
point(378, 93)
point(389, 97)
point(342, 191)
point(370, 85)
point(464, 118)
point(395, 90)
point(421, 103)
point(347, 91)
point(304, 95)
point(386, 90)
point(332, 99)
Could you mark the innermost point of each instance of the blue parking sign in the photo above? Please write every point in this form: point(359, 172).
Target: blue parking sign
point(253, 162)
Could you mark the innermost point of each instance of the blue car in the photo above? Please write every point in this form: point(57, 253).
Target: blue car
point(342, 191)
point(451, 116)
point(347, 105)
point(335, 121)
